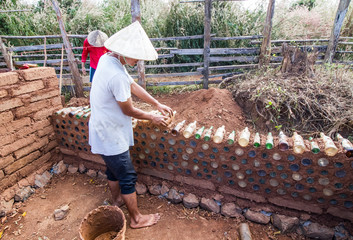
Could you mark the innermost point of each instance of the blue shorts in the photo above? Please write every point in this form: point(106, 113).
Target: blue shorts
point(91, 73)
point(120, 168)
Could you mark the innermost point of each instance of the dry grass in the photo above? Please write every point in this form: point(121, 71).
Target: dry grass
point(308, 105)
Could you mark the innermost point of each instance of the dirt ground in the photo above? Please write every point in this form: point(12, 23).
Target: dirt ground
point(84, 194)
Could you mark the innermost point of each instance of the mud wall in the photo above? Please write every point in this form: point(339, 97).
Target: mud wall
point(28, 98)
point(315, 183)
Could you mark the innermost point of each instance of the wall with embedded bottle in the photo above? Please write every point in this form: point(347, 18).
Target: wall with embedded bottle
point(311, 175)
point(28, 98)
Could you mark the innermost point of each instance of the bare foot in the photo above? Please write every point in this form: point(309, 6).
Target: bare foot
point(145, 221)
point(119, 203)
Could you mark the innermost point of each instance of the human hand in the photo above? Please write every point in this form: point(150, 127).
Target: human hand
point(160, 120)
point(83, 70)
point(165, 110)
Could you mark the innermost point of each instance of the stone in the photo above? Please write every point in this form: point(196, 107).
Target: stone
point(92, 173)
point(82, 168)
point(315, 230)
point(341, 233)
point(6, 206)
point(101, 175)
point(284, 223)
point(218, 197)
point(42, 180)
point(141, 188)
point(174, 196)
point(60, 168)
point(164, 190)
point(191, 201)
point(24, 193)
point(304, 217)
point(231, 210)
point(61, 213)
point(257, 217)
point(209, 205)
point(155, 189)
point(72, 169)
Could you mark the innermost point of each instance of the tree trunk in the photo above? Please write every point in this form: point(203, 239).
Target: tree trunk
point(265, 52)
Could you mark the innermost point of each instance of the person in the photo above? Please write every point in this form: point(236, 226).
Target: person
point(94, 46)
point(110, 125)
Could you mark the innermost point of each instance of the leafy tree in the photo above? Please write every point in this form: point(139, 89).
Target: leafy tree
point(310, 4)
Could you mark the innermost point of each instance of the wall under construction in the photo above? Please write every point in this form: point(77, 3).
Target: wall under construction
point(28, 98)
point(314, 183)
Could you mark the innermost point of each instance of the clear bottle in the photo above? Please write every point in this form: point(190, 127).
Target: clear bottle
point(199, 132)
point(283, 143)
point(298, 143)
point(189, 129)
point(231, 137)
point(208, 134)
point(177, 128)
point(218, 136)
point(81, 113)
point(269, 141)
point(330, 147)
point(257, 140)
point(171, 118)
point(346, 144)
point(314, 146)
point(74, 112)
point(244, 137)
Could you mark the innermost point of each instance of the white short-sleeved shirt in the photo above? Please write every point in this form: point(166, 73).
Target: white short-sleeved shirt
point(110, 130)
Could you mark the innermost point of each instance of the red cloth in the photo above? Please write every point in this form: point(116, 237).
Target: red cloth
point(94, 53)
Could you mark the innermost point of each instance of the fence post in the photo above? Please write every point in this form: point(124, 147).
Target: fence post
point(335, 34)
point(136, 16)
point(265, 52)
point(207, 42)
point(70, 56)
point(7, 56)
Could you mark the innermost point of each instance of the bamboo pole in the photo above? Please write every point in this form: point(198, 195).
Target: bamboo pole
point(70, 56)
point(136, 16)
point(336, 29)
point(45, 52)
point(265, 52)
point(6, 54)
point(207, 42)
point(61, 68)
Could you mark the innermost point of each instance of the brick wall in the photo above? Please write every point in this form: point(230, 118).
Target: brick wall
point(27, 100)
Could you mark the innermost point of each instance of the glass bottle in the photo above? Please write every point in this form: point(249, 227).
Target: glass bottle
point(330, 147)
point(177, 128)
point(257, 140)
point(218, 136)
point(346, 144)
point(244, 137)
point(189, 129)
point(199, 132)
point(283, 143)
point(134, 122)
point(231, 137)
point(298, 143)
point(314, 146)
point(74, 112)
point(84, 111)
point(269, 141)
point(89, 114)
point(208, 134)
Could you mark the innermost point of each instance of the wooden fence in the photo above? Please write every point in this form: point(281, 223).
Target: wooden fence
point(223, 62)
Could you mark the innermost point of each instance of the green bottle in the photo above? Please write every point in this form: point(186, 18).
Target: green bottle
point(199, 133)
point(257, 140)
point(314, 146)
point(231, 137)
point(269, 141)
point(208, 133)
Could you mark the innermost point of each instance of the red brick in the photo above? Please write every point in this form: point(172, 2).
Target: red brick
point(27, 88)
point(19, 134)
point(10, 104)
point(39, 125)
point(21, 162)
point(15, 126)
point(44, 94)
point(6, 117)
point(91, 157)
point(155, 173)
point(8, 78)
point(45, 113)
point(196, 182)
point(35, 165)
point(23, 183)
point(2, 174)
point(46, 131)
point(52, 82)
point(31, 179)
point(9, 181)
point(5, 161)
point(3, 93)
point(31, 148)
point(37, 73)
point(9, 193)
point(56, 101)
point(6, 150)
point(251, 196)
point(33, 107)
point(302, 206)
point(341, 213)
point(52, 144)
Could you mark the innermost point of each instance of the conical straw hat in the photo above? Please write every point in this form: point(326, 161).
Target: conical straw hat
point(97, 38)
point(132, 42)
